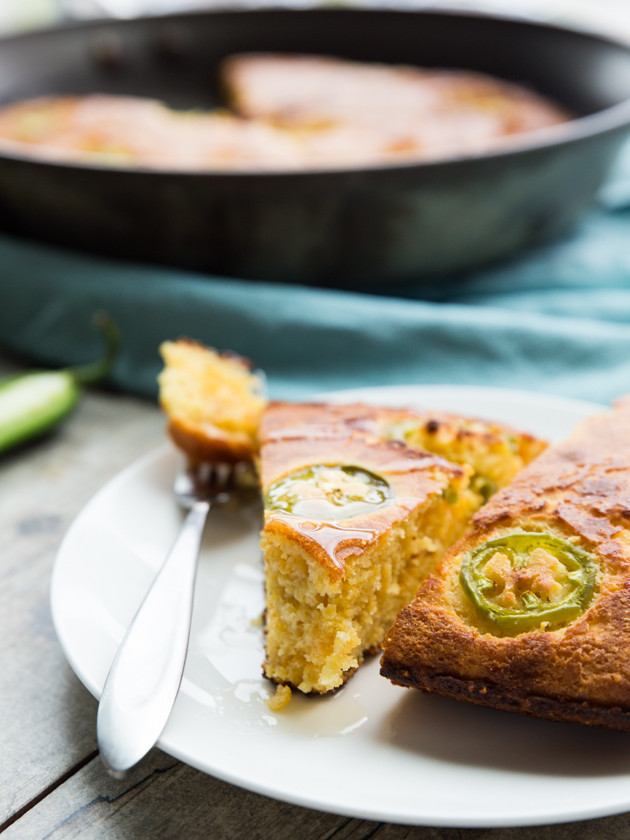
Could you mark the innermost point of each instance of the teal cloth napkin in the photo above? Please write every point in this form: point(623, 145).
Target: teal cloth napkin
point(554, 320)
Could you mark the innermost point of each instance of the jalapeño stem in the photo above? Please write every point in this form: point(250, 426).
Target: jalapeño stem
point(98, 370)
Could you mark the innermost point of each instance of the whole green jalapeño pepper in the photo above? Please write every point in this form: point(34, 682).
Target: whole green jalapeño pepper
point(525, 581)
point(33, 403)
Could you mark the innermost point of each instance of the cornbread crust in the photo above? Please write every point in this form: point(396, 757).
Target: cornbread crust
point(578, 490)
point(205, 442)
point(561, 711)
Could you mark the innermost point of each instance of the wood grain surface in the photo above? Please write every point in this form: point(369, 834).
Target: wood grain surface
point(52, 783)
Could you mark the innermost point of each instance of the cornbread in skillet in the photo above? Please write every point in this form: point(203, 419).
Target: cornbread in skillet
point(212, 400)
point(125, 131)
point(370, 112)
point(530, 612)
point(286, 112)
point(354, 520)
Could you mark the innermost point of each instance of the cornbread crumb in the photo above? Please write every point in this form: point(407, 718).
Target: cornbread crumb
point(279, 700)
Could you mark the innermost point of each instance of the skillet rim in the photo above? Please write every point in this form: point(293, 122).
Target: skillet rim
point(609, 120)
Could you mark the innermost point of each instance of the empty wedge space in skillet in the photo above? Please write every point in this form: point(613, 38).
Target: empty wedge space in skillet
point(530, 612)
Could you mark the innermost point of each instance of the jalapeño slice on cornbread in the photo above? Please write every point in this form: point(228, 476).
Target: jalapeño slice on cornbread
point(355, 518)
point(530, 612)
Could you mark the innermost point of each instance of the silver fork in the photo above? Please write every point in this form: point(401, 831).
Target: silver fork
point(146, 673)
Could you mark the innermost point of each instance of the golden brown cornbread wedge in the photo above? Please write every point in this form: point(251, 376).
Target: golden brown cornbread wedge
point(530, 612)
point(339, 108)
point(289, 112)
point(336, 571)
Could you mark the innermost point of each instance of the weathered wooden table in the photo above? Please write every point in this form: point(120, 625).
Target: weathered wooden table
point(52, 783)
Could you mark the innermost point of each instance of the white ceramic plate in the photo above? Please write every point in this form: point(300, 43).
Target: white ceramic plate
point(372, 750)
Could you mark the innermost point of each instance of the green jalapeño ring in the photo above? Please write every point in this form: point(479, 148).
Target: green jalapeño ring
point(532, 605)
point(328, 491)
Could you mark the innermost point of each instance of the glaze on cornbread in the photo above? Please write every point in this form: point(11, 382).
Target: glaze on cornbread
point(495, 451)
point(338, 572)
point(213, 402)
point(530, 612)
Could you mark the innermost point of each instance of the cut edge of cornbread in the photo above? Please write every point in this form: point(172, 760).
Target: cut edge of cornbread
point(320, 626)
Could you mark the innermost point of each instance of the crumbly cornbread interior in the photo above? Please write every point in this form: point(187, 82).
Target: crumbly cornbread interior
point(320, 626)
point(322, 620)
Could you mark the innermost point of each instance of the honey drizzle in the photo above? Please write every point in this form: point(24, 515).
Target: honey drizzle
point(332, 537)
point(312, 431)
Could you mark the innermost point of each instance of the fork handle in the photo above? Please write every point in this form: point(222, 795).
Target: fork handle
point(146, 673)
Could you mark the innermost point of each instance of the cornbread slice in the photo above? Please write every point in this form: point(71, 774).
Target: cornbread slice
point(288, 112)
point(530, 612)
point(495, 451)
point(353, 522)
point(125, 131)
point(213, 402)
point(338, 107)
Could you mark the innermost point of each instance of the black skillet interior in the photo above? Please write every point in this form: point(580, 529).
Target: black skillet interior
point(176, 58)
point(368, 227)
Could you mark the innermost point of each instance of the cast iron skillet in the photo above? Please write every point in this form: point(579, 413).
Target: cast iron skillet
point(366, 227)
